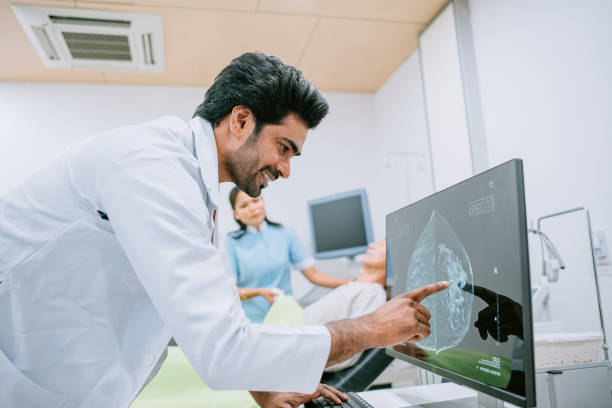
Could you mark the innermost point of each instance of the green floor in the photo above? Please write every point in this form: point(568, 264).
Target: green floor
point(178, 385)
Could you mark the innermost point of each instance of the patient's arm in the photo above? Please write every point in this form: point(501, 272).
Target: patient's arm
point(322, 279)
point(402, 319)
point(293, 400)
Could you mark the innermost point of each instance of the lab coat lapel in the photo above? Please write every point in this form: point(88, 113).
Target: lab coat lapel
point(206, 150)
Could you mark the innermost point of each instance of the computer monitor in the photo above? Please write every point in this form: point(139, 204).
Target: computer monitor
point(473, 234)
point(340, 225)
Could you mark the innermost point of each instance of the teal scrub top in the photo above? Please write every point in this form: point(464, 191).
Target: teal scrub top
point(263, 259)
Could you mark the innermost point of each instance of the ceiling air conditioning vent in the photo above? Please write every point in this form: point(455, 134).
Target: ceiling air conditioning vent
point(98, 46)
point(101, 40)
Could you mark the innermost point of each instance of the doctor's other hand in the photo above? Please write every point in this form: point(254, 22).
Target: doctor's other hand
point(403, 318)
point(293, 399)
point(501, 318)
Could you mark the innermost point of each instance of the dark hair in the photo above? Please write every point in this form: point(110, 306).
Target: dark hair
point(270, 88)
point(239, 233)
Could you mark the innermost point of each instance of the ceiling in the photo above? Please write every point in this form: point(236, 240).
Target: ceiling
point(340, 45)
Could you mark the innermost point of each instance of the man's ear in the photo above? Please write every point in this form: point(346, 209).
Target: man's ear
point(242, 123)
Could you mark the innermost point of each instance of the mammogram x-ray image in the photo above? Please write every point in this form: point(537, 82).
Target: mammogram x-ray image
point(439, 250)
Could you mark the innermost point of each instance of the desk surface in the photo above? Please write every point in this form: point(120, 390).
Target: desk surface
point(446, 395)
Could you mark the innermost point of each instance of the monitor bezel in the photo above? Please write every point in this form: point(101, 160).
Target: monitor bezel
point(367, 222)
point(529, 400)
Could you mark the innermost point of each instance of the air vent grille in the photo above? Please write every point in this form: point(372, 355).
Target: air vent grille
point(75, 38)
point(95, 22)
point(91, 46)
point(147, 49)
point(45, 43)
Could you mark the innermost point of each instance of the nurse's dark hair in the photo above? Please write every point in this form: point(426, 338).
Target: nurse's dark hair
point(239, 233)
point(267, 86)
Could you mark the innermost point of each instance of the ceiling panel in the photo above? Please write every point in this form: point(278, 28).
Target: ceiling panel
point(199, 43)
point(341, 45)
point(49, 3)
point(20, 62)
point(244, 5)
point(83, 3)
point(412, 11)
point(357, 56)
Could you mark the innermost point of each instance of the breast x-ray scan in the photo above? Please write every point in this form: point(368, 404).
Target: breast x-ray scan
point(473, 235)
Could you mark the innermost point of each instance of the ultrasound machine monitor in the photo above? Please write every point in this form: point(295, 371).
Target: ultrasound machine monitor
point(340, 224)
point(474, 235)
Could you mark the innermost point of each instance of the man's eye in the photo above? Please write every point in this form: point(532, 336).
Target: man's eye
point(284, 148)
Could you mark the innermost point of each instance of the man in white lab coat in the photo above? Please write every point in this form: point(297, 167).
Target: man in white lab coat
point(107, 252)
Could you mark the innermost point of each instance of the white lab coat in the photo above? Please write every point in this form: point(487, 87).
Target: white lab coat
point(87, 305)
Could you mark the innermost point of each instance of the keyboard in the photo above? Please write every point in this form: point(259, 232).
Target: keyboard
point(354, 401)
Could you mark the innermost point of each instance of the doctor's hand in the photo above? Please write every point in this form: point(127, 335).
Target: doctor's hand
point(293, 399)
point(402, 319)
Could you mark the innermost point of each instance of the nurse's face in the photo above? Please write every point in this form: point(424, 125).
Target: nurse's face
point(265, 156)
point(249, 210)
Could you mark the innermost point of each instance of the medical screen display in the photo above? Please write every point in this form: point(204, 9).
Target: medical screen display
point(474, 236)
point(339, 224)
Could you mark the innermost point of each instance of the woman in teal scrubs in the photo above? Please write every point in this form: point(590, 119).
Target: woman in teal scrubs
point(261, 254)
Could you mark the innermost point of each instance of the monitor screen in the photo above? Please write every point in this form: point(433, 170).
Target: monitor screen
point(340, 224)
point(474, 235)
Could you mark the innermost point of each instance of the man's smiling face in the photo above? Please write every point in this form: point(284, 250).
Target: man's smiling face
point(265, 156)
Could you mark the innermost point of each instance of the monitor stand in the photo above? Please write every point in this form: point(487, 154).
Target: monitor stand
point(486, 401)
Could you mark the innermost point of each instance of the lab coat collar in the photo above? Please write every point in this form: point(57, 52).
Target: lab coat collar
point(253, 230)
point(206, 151)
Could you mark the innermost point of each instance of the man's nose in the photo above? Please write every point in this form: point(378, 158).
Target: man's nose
point(284, 168)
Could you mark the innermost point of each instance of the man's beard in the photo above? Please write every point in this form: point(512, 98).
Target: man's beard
point(242, 167)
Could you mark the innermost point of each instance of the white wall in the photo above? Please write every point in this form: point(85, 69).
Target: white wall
point(546, 93)
point(444, 99)
point(544, 70)
point(38, 120)
point(402, 129)
point(544, 74)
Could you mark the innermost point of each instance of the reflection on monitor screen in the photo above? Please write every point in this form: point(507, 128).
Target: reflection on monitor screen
point(474, 235)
